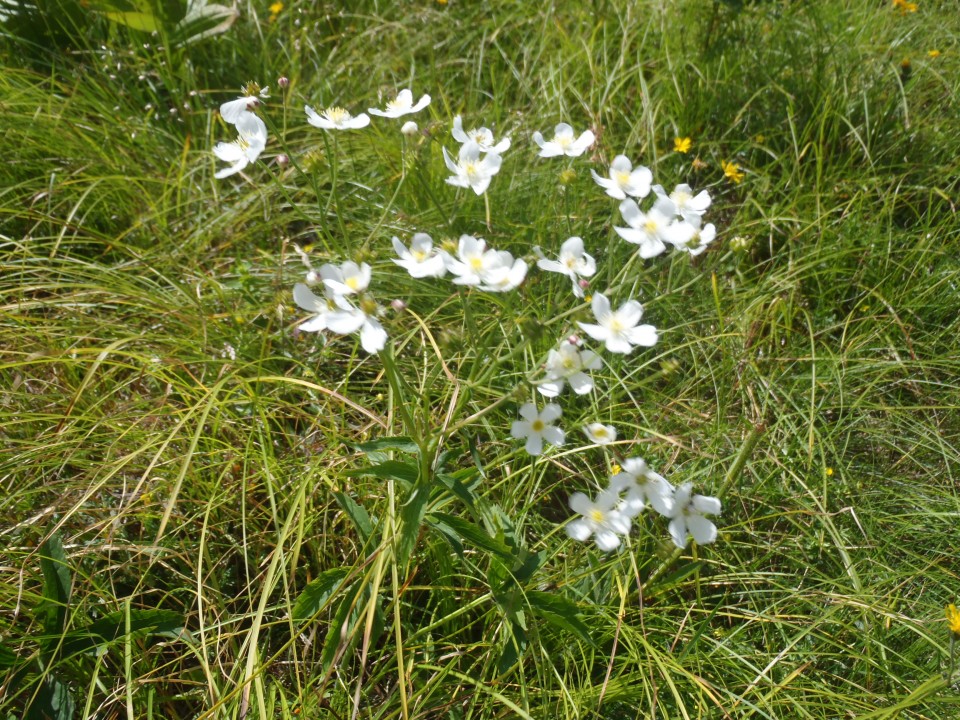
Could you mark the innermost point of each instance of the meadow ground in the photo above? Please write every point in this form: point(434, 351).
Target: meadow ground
point(206, 512)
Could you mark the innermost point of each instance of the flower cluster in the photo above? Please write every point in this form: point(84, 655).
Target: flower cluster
point(629, 493)
point(251, 131)
point(675, 219)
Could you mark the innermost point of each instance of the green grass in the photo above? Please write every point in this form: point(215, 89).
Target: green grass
point(199, 456)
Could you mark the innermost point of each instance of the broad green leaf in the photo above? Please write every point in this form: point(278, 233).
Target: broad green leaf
point(317, 593)
point(411, 518)
point(356, 513)
point(111, 628)
point(474, 534)
point(403, 472)
point(144, 22)
point(52, 701)
point(56, 586)
point(559, 611)
point(204, 19)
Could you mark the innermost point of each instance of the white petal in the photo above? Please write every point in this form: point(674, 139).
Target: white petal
point(706, 504)
point(373, 337)
point(581, 383)
point(534, 444)
point(228, 152)
point(606, 540)
point(519, 429)
point(316, 120)
point(678, 532)
point(580, 503)
point(528, 411)
point(345, 322)
point(553, 435)
point(703, 530)
point(551, 412)
point(643, 335)
point(305, 298)
point(579, 530)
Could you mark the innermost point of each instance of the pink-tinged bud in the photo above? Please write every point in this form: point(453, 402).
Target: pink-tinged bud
point(574, 340)
point(398, 305)
point(283, 81)
point(584, 284)
point(282, 160)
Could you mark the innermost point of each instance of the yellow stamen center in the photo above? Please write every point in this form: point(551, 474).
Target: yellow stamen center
point(337, 115)
point(537, 425)
point(622, 178)
point(352, 282)
point(596, 516)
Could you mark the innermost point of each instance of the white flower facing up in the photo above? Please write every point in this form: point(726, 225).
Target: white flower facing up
point(482, 136)
point(644, 487)
point(506, 276)
point(564, 142)
point(619, 330)
point(336, 118)
point(232, 110)
point(700, 238)
point(600, 519)
point(402, 105)
point(246, 148)
point(688, 205)
point(573, 262)
point(651, 231)
point(469, 171)
point(348, 279)
point(536, 427)
point(687, 517)
point(624, 180)
point(477, 265)
point(567, 365)
point(600, 434)
point(421, 260)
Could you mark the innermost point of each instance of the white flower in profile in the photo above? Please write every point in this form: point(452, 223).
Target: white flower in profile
point(421, 260)
point(619, 330)
point(563, 142)
point(246, 148)
point(698, 238)
point(536, 427)
point(624, 180)
point(233, 110)
point(336, 118)
point(347, 319)
point(687, 517)
point(687, 204)
point(482, 136)
point(573, 262)
point(306, 299)
point(567, 365)
point(348, 279)
point(644, 487)
point(506, 275)
point(469, 170)
point(402, 105)
point(600, 434)
point(600, 519)
point(652, 230)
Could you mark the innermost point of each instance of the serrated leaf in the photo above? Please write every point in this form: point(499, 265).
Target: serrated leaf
point(111, 628)
point(357, 514)
point(560, 612)
point(56, 586)
point(317, 593)
point(403, 472)
point(474, 534)
point(454, 482)
point(403, 444)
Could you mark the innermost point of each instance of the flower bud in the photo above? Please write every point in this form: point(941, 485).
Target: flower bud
point(409, 128)
point(398, 305)
point(283, 81)
point(282, 160)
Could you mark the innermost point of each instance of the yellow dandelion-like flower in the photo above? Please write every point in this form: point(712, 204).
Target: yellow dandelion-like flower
point(275, 9)
point(933, 53)
point(953, 618)
point(732, 172)
point(904, 6)
point(616, 469)
point(682, 144)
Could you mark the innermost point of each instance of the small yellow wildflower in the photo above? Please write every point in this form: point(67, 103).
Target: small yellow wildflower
point(682, 145)
point(904, 6)
point(933, 53)
point(732, 172)
point(275, 10)
point(829, 472)
point(615, 470)
point(441, 2)
point(953, 618)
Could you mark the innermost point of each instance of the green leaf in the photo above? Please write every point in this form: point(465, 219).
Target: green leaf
point(144, 22)
point(52, 610)
point(112, 628)
point(356, 513)
point(411, 518)
point(474, 534)
point(456, 484)
point(8, 658)
point(403, 472)
point(344, 633)
point(403, 444)
point(317, 593)
point(52, 701)
point(560, 612)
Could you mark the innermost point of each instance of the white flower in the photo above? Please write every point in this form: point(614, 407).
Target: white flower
point(600, 519)
point(567, 364)
point(421, 260)
point(336, 118)
point(469, 170)
point(348, 279)
point(600, 434)
point(687, 205)
point(573, 262)
point(305, 298)
point(233, 110)
point(536, 427)
point(563, 142)
point(688, 517)
point(483, 137)
point(474, 261)
point(644, 487)
point(348, 319)
point(505, 276)
point(619, 330)
point(699, 239)
point(409, 128)
point(403, 105)
point(650, 231)
point(624, 180)
point(246, 148)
